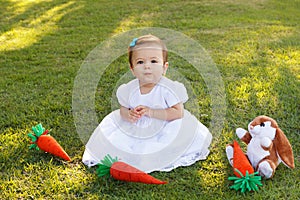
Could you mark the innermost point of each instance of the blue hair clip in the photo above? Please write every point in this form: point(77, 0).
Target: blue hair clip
point(132, 44)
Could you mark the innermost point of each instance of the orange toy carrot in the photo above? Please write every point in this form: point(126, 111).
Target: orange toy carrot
point(124, 172)
point(41, 140)
point(246, 178)
point(240, 161)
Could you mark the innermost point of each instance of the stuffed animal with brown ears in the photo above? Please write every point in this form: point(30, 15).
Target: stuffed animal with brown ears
point(267, 146)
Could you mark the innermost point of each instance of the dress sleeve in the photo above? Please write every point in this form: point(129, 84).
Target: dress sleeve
point(181, 92)
point(122, 95)
point(175, 94)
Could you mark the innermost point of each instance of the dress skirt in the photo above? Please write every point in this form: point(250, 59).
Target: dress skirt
point(151, 144)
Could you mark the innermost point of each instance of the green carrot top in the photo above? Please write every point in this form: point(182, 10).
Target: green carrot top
point(105, 165)
point(38, 130)
point(249, 182)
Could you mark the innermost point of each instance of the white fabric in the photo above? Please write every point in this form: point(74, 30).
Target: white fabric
point(150, 144)
point(165, 94)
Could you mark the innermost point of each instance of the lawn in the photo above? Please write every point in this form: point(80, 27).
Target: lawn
point(255, 46)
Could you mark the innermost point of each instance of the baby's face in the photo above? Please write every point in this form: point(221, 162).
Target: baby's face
point(148, 65)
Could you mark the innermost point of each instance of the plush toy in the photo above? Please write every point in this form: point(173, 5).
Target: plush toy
point(124, 172)
point(40, 139)
point(267, 146)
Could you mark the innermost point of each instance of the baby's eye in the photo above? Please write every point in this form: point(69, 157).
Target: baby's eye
point(140, 62)
point(154, 61)
point(262, 124)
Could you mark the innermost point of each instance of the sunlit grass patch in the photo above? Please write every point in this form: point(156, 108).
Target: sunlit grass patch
point(256, 89)
point(253, 42)
point(41, 178)
point(289, 58)
point(216, 178)
point(129, 22)
point(20, 6)
point(30, 31)
point(13, 147)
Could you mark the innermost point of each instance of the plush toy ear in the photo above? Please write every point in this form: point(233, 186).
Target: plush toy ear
point(284, 148)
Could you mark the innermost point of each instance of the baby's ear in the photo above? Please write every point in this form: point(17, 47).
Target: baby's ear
point(132, 71)
point(166, 65)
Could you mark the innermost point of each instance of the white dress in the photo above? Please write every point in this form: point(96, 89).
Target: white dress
point(150, 144)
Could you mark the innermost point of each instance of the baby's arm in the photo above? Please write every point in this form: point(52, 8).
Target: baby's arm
point(169, 114)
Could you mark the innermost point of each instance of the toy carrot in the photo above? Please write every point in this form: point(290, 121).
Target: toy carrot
point(124, 172)
point(246, 178)
point(41, 140)
point(240, 161)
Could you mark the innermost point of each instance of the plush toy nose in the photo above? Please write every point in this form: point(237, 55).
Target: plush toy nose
point(255, 129)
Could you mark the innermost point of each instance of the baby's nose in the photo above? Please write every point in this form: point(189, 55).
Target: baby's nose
point(147, 65)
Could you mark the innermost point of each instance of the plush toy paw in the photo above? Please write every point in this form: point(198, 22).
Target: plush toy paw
point(265, 169)
point(266, 142)
point(240, 132)
point(229, 153)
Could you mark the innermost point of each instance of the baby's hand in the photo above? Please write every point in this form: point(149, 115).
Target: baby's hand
point(133, 115)
point(142, 110)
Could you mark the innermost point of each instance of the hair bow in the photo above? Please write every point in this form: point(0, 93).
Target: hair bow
point(132, 44)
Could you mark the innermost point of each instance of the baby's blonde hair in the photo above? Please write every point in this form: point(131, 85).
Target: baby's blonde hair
point(147, 41)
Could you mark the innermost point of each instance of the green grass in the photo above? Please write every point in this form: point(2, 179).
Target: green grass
point(255, 45)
